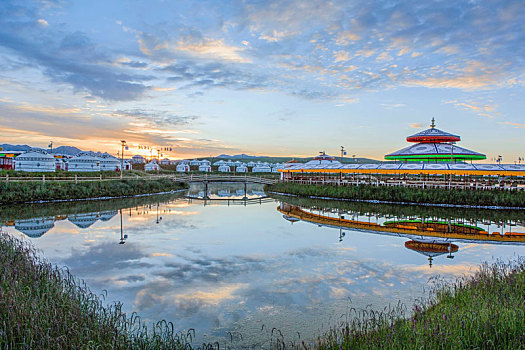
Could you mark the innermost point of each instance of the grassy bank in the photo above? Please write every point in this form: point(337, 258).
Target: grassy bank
point(17, 192)
point(484, 311)
point(44, 307)
point(406, 194)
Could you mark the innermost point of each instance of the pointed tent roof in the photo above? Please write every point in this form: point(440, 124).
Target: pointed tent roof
point(433, 135)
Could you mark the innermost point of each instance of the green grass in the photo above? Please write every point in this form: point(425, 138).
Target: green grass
point(16, 192)
point(483, 311)
point(406, 194)
point(45, 307)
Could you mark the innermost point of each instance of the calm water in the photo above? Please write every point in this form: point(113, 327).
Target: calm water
point(225, 266)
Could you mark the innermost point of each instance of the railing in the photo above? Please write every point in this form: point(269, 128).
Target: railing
point(409, 183)
point(224, 178)
point(180, 178)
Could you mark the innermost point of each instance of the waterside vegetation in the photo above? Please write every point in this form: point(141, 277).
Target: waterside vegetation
point(482, 311)
point(45, 307)
point(397, 194)
point(17, 192)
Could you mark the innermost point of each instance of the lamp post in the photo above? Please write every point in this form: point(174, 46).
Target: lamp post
point(343, 152)
point(452, 152)
point(123, 143)
point(51, 146)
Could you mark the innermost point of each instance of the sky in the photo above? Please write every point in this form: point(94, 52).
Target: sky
point(280, 78)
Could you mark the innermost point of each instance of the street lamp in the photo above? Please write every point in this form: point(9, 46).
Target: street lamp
point(343, 152)
point(123, 144)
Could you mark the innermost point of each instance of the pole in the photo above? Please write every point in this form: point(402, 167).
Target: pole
point(123, 142)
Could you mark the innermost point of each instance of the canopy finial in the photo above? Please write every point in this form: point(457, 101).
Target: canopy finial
point(433, 125)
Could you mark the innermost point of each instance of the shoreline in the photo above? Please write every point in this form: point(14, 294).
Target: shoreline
point(493, 207)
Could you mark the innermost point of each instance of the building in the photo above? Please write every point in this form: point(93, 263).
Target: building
point(84, 162)
point(137, 159)
point(241, 169)
point(36, 227)
point(224, 169)
point(109, 162)
point(205, 168)
point(152, 166)
point(433, 146)
point(261, 168)
point(323, 159)
point(183, 168)
point(7, 159)
point(35, 160)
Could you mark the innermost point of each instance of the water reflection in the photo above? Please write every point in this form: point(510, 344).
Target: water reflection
point(430, 236)
point(219, 267)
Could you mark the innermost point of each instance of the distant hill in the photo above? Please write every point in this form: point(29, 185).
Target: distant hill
point(236, 156)
point(286, 159)
point(69, 150)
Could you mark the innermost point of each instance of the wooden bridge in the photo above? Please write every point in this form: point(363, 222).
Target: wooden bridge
point(207, 178)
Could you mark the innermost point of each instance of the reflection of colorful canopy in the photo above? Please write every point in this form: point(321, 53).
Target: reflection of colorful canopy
point(431, 249)
point(434, 152)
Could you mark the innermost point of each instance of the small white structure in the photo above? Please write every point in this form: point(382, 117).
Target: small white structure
point(205, 168)
point(35, 160)
point(183, 168)
point(241, 169)
point(250, 164)
point(109, 163)
point(127, 165)
point(224, 169)
point(84, 162)
point(152, 166)
point(219, 163)
point(137, 159)
point(165, 161)
point(195, 162)
point(261, 168)
point(61, 164)
point(205, 162)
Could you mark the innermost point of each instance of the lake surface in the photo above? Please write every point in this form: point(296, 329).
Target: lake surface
point(230, 268)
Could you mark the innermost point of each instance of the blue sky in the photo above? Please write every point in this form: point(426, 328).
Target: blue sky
point(270, 78)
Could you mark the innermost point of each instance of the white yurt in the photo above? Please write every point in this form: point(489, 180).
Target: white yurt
point(61, 164)
point(224, 169)
point(219, 163)
point(195, 162)
point(183, 168)
point(109, 162)
point(35, 160)
point(205, 168)
point(261, 168)
point(152, 166)
point(85, 162)
point(250, 164)
point(138, 159)
point(83, 220)
point(165, 161)
point(35, 227)
point(241, 169)
point(205, 162)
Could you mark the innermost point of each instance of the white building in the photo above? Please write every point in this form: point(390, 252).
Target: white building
point(250, 164)
point(205, 168)
point(261, 168)
point(241, 169)
point(137, 159)
point(183, 168)
point(152, 166)
point(224, 169)
point(109, 163)
point(61, 164)
point(84, 162)
point(195, 162)
point(35, 160)
point(219, 163)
